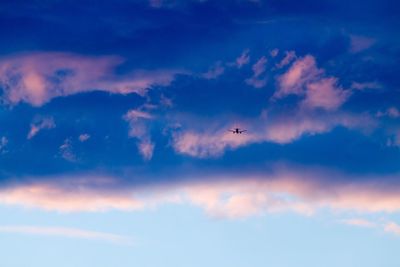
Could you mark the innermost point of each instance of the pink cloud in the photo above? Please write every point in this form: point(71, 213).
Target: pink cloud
point(285, 189)
point(39, 124)
point(208, 144)
point(138, 128)
point(259, 67)
point(289, 57)
point(299, 74)
point(365, 85)
point(38, 77)
point(146, 149)
point(214, 72)
point(391, 112)
point(244, 59)
point(325, 94)
point(281, 129)
point(360, 43)
point(256, 82)
point(83, 137)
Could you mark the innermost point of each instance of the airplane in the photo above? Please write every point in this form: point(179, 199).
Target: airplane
point(237, 131)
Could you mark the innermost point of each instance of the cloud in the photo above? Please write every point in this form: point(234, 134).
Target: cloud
point(258, 69)
point(391, 112)
point(66, 151)
point(3, 144)
point(325, 94)
point(274, 52)
point(392, 227)
point(214, 72)
point(39, 124)
point(365, 85)
point(207, 144)
point(244, 59)
point(280, 129)
point(360, 43)
point(36, 78)
point(138, 124)
point(64, 232)
point(289, 56)
point(146, 149)
point(70, 195)
point(229, 195)
point(306, 80)
point(302, 71)
point(359, 222)
point(256, 82)
point(83, 137)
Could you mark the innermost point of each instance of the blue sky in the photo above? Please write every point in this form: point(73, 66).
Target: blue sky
point(115, 145)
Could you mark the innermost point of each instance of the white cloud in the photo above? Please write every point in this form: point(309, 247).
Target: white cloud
point(39, 124)
point(359, 222)
point(392, 227)
point(64, 232)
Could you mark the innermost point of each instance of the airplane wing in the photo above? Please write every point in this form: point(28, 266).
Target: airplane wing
point(233, 131)
point(242, 131)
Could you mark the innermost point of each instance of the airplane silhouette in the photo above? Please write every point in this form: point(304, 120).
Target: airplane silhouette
point(237, 131)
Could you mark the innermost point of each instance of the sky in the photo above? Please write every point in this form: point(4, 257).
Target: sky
point(115, 142)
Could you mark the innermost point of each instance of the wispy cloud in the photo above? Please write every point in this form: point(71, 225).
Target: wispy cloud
point(65, 232)
point(39, 124)
point(392, 227)
point(289, 57)
point(38, 77)
point(359, 222)
point(243, 59)
point(259, 68)
point(139, 129)
point(215, 71)
point(3, 144)
point(66, 151)
point(360, 43)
